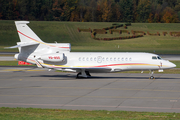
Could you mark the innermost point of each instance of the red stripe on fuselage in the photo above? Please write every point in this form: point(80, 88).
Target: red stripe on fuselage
point(120, 64)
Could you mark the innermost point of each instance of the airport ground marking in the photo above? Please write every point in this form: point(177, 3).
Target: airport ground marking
point(91, 106)
point(89, 88)
point(110, 97)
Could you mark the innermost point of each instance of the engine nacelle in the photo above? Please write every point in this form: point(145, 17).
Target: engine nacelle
point(56, 57)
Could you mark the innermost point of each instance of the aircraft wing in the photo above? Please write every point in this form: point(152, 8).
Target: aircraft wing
point(92, 69)
point(74, 68)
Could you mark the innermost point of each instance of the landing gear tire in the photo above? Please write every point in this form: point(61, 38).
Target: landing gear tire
point(78, 75)
point(152, 77)
point(151, 74)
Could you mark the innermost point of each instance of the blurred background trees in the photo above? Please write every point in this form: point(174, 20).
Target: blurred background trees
point(152, 11)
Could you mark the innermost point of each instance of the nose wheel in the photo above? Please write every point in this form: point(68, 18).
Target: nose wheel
point(151, 75)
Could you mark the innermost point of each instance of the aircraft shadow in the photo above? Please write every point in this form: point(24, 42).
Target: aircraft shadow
point(96, 77)
point(58, 77)
point(72, 76)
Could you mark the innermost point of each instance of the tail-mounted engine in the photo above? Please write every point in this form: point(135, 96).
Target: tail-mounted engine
point(56, 57)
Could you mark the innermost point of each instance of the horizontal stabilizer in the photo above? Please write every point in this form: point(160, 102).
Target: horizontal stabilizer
point(16, 46)
point(23, 44)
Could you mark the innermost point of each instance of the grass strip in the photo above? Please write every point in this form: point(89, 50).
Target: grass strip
point(56, 114)
point(66, 32)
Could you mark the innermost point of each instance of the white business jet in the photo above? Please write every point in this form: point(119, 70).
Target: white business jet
point(58, 56)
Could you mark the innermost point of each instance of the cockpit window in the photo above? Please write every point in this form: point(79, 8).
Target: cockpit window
point(154, 57)
point(159, 57)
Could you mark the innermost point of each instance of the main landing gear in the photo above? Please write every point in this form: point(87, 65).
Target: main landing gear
point(151, 74)
point(83, 74)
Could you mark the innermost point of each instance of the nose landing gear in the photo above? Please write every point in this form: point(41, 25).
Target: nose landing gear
point(151, 74)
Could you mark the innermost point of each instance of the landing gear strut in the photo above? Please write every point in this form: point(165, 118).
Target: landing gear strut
point(151, 75)
point(84, 74)
point(88, 74)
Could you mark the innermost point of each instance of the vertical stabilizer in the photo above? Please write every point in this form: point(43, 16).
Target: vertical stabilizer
point(25, 33)
point(31, 43)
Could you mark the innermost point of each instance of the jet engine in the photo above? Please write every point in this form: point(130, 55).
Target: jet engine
point(56, 57)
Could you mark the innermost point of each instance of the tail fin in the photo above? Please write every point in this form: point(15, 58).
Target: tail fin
point(30, 42)
point(26, 35)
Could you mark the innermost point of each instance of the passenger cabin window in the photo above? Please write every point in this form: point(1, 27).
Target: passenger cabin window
point(113, 59)
point(91, 58)
point(95, 59)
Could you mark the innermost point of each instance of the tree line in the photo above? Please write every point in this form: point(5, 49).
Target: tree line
point(151, 11)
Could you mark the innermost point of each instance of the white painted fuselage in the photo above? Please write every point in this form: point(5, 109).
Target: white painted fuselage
point(106, 61)
point(58, 56)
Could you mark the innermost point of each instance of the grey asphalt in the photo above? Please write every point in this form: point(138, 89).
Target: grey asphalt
point(7, 58)
point(36, 88)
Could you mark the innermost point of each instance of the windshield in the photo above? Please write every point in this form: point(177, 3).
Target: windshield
point(159, 57)
point(156, 57)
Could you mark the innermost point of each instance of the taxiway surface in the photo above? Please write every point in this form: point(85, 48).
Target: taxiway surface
point(28, 87)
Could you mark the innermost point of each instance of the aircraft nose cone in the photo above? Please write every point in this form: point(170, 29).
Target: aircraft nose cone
point(172, 65)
